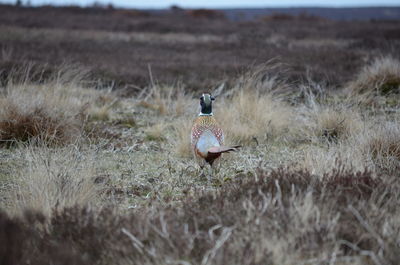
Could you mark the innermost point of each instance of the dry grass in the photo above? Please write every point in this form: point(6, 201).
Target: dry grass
point(375, 147)
point(381, 146)
point(319, 186)
point(320, 160)
point(316, 181)
point(156, 132)
point(36, 122)
point(53, 112)
point(381, 77)
point(182, 137)
point(49, 179)
point(102, 108)
point(254, 109)
point(37, 112)
point(165, 100)
point(253, 116)
point(55, 108)
point(175, 109)
point(330, 123)
point(281, 217)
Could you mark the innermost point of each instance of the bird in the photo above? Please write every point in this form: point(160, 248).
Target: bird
point(207, 137)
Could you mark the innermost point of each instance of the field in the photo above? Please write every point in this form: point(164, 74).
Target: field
point(95, 161)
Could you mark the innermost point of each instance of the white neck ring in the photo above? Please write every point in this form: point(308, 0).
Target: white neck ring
point(203, 114)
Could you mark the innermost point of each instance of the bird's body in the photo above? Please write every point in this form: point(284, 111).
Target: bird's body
point(206, 134)
point(207, 137)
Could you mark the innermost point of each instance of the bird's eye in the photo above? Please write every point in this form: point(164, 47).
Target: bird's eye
point(212, 98)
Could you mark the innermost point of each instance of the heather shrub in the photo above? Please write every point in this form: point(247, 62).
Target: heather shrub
point(280, 217)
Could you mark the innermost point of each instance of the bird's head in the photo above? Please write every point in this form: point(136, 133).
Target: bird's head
point(206, 104)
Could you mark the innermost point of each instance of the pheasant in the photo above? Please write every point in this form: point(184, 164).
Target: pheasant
point(207, 137)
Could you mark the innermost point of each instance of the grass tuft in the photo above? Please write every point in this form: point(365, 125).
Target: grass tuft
point(182, 140)
point(30, 112)
point(156, 132)
point(381, 77)
point(166, 100)
point(53, 110)
point(254, 109)
point(381, 144)
point(331, 123)
point(51, 179)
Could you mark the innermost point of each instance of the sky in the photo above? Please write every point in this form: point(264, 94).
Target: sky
point(219, 3)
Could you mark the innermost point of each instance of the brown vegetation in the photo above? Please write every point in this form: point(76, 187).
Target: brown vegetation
point(105, 176)
point(253, 221)
point(285, 17)
point(206, 13)
point(51, 109)
point(380, 78)
point(198, 52)
point(74, 204)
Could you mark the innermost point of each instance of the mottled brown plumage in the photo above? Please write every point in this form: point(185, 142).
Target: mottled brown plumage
point(207, 137)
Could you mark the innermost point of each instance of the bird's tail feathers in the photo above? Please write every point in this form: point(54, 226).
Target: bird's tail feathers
point(223, 149)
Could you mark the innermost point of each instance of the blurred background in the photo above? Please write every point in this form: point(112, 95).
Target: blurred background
point(217, 3)
point(198, 44)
